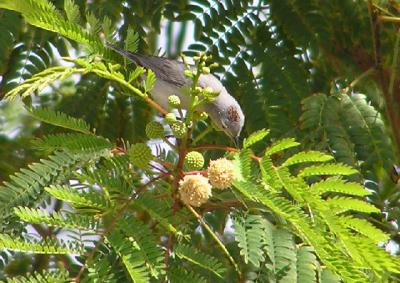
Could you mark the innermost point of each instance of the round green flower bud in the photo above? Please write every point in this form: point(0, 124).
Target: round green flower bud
point(194, 161)
point(179, 130)
point(189, 74)
point(170, 118)
point(140, 155)
point(154, 130)
point(206, 70)
point(174, 101)
point(214, 65)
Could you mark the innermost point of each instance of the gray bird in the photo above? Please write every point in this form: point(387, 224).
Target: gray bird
point(224, 110)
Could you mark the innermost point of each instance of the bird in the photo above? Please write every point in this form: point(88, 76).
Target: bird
point(224, 110)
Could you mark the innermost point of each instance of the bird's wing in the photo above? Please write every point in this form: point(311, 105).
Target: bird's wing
point(165, 69)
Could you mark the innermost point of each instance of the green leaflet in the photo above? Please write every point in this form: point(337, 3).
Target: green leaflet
point(327, 169)
point(306, 198)
point(281, 145)
point(199, 258)
point(338, 185)
point(42, 247)
point(255, 138)
point(44, 15)
point(342, 204)
point(310, 156)
point(91, 199)
point(26, 186)
point(56, 276)
point(249, 234)
point(130, 257)
point(60, 119)
point(56, 219)
point(74, 143)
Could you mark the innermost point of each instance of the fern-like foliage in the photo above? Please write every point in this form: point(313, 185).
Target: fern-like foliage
point(350, 128)
point(279, 259)
point(255, 137)
point(43, 14)
point(72, 143)
point(38, 277)
point(138, 251)
point(89, 199)
point(327, 213)
point(297, 218)
point(200, 259)
point(130, 257)
point(56, 219)
point(180, 274)
point(60, 119)
point(249, 235)
point(26, 186)
point(40, 80)
point(42, 247)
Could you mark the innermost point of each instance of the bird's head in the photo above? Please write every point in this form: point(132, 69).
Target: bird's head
point(226, 113)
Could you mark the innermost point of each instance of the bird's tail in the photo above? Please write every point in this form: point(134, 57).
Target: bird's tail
point(130, 55)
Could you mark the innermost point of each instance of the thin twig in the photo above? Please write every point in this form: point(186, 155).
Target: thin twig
point(221, 205)
point(393, 75)
point(213, 146)
point(222, 147)
point(389, 19)
point(215, 237)
point(358, 79)
point(170, 144)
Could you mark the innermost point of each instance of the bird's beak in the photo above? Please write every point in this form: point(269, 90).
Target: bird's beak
point(236, 142)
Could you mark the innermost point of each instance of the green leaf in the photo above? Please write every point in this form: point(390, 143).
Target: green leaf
point(306, 265)
point(130, 257)
point(74, 143)
point(179, 274)
point(43, 247)
point(255, 137)
point(85, 199)
point(42, 14)
point(281, 145)
point(56, 219)
point(200, 259)
point(249, 233)
point(150, 80)
point(72, 11)
point(365, 228)
point(131, 41)
point(343, 204)
point(309, 156)
point(338, 185)
point(60, 119)
point(55, 276)
point(327, 169)
point(327, 276)
point(26, 186)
